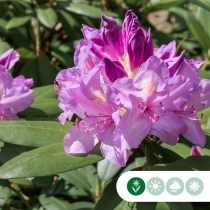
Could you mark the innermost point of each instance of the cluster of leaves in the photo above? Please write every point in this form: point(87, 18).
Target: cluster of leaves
point(35, 172)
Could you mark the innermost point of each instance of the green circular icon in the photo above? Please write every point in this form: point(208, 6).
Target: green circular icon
point(155, 186)
point(175, 186)
point(194, 186)
point(136, 186)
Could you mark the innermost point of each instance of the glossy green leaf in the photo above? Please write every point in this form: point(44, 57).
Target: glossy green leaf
point(84, 9)
point(17, 21)
point(9, 151)
point(156, 154)
point(204, 74)
point(165, 4)
point(47, 16)
point(33, 133)
point(43, 107)
point(181, 149)
point(47, 72)
point(82, 205)
point(180, 206)
point(44, 92)
point(45, 161)
point(192, 163)
point(26, 53)
point(200, 4)
point(107, 170)
point(4, 191)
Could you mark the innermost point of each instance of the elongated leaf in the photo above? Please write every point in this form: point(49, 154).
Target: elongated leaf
point(195, 27)
point(26, 53)
point(47, 72)
point(30, 70)
point(9, 151)
point(162, 206)
point(22, 181)
point(107, 170)
point(83, 178)
point(180, 206)
point(165, 4)
point(203, 15)
point(4, 46)
point(200, 4)
point(18, 21)
point(4, 191)
point(45, 161)
point(84, 9)
point(43, 181)
point(42, 108)
point(44, 92)
point(192, 163)
point(33, 133)
point(47, 16)
point(52, 203)
point(156, 154)
point(82, 205)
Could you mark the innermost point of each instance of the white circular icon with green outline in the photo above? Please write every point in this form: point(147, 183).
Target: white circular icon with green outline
point(194, 186)
point(155, 186)
point(175, 186)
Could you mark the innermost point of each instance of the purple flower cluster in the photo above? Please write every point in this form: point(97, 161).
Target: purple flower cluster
point(15, 93)
point(124, 89)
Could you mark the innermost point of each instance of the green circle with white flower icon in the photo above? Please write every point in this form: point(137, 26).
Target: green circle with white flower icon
point(136, 186)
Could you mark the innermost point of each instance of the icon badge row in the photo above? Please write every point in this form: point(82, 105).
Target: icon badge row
point(156, 186)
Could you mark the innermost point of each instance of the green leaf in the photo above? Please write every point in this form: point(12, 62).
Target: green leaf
point(165, 4)
point(9, 151)
point(200, 4)
point(64, 58)
point(43, 107)
point(4, 46)
point(181, 149)
point(26, 53)
point(82, 205)
point(107, 170)
point(52, 203)
point(30, 70)
point(22, 181)
point(124, 205)
point(192, 163)
point(4, 191)
point(45, 161)
point(33, 133)
point(18, 21)
point(180, 206)
point(47, 72)
point(156, 154)
point(84, 9)
point(204, 74)
point(43, 181)
point(44, 92)
point(47, 16)
point(83, 178)
point(162, 206)
point(110, 198)
point(195, 27)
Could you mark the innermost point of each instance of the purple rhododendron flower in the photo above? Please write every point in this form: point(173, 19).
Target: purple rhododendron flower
point(123, 89)
point(15, 93)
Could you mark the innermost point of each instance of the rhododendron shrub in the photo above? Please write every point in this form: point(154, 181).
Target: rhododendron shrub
point(123, 90)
